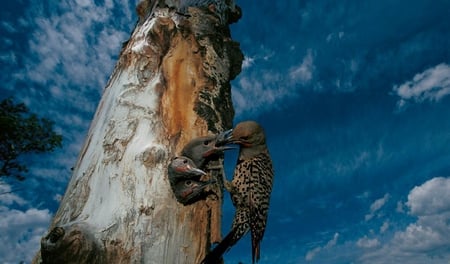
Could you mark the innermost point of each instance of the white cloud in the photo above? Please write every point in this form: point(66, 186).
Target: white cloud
point(366, 242)
point(379, 203)
point(313, 252)
point(431, 85)
point(76, 47)
point(430, 202)
point(21, 232)
point(428, 238)
point(258, 93)
point(376, 206)
point(384, 227)
point(430, 198)
point(333, 241)
point(8, 196)
point(264, 90)
point(424, 236)
point(303, 73)
point(248, 61)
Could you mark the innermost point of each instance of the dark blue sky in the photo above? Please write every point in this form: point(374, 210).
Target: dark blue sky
point(354, 97)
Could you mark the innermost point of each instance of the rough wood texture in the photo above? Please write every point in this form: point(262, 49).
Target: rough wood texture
point(171, 84)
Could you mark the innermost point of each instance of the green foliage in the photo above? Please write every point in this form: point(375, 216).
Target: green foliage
point(22, 132)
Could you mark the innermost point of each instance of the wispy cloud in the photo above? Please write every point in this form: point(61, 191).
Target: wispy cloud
point(265, 89)
point(303, 73)
point(384, 227)
point(248, 62)
point(376, 206)
point(431, 85)
point(77, 46)
point(366, 242)
point(7, 195)
point(331, 243)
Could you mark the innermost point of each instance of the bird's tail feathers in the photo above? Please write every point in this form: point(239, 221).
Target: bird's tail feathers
point(255, 250)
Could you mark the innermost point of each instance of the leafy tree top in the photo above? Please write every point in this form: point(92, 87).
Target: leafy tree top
point(22, 132)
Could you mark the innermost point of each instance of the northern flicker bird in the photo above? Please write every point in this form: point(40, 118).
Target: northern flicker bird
point(250, 188)
point(184, 178)
point(202, 150)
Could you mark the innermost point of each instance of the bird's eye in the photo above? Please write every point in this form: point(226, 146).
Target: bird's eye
point(206, 142)
point(185, 161)
point(188, 183)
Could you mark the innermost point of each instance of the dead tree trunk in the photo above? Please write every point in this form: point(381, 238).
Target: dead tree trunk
point(171, 84)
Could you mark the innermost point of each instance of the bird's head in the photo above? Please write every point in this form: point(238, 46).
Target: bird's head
point(184, 166)
point(202, 149)
point(247, 134)
point(190, 191)
point(210, 148)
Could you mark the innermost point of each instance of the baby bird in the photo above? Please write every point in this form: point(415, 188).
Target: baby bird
point(184, 178)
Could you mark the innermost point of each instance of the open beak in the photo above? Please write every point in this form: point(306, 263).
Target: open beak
point(223, 148)
point(217, 149)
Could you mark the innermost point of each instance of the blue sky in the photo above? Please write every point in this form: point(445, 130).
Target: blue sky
point(354, 97)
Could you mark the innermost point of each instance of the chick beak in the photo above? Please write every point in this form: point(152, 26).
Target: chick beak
point(195, 188)
point(204, 184)
point(195, 171)
point(216, 150)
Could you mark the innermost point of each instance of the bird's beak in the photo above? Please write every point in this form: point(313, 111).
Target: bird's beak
point(195, 171)
point(191, 191)
point(224, 138)
point(223, 148)
point(203, 184)
point(216, 149)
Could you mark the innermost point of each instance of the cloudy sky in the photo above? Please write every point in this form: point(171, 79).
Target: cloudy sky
point(354, 96)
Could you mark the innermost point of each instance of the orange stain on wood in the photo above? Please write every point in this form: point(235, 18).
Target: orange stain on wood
point(184, 78)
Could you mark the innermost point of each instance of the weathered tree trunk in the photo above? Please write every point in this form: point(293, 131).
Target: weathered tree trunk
point(170, 85)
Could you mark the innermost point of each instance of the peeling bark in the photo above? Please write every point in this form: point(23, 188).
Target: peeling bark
point(171, 84)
